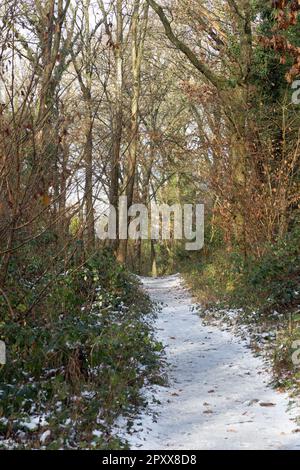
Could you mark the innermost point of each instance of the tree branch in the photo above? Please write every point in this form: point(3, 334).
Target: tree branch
point(218, 82)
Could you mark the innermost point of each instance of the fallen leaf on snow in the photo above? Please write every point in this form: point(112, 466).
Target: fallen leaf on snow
point(267, 405)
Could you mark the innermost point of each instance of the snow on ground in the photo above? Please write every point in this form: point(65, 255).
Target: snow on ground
point(218, 395)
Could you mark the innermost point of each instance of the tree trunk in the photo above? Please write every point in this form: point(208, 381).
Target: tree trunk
point(117, 120)
point(137, 50)
point(153, 260)
point(88, 159)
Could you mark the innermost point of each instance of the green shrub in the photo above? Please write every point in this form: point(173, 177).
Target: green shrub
point(79, 358)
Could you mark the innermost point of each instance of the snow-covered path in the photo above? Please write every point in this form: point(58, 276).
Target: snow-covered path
point(218, 395)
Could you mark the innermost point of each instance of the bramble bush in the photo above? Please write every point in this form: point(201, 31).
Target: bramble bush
point(78, 358)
